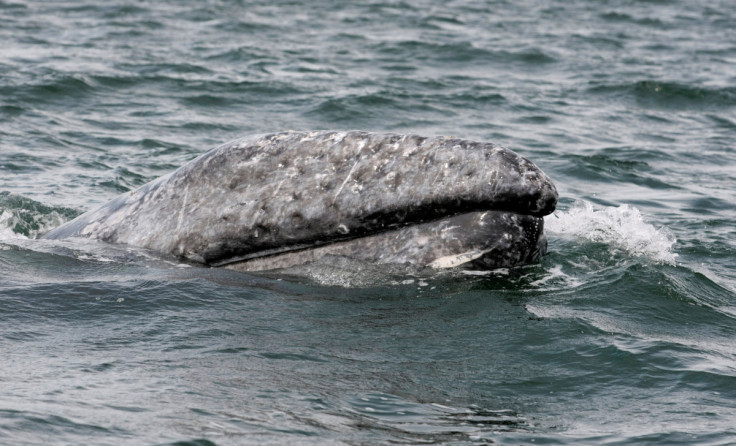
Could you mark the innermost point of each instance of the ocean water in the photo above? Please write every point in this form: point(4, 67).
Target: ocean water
point(625, 333)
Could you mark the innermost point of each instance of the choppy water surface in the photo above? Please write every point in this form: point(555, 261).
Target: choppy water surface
point(624, 333)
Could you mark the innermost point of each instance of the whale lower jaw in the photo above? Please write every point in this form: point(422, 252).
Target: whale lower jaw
point(483, 240)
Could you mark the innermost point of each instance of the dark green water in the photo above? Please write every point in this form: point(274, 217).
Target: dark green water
point(624, 334)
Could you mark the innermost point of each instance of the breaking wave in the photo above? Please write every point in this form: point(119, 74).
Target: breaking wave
point(621, 227)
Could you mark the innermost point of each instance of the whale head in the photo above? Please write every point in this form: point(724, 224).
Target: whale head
point(267, 195)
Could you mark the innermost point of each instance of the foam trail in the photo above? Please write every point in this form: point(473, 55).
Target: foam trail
point(622, 227)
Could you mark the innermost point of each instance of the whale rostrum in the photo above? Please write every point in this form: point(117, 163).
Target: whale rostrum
point(277, 200)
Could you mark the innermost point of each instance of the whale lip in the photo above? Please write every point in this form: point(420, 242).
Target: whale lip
point(475, 240)
point(268, 194)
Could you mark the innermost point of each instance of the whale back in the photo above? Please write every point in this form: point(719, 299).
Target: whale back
point(284, 191)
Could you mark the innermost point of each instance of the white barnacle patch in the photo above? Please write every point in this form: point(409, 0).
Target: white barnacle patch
point(454, 260)
point(321, 180)
point(282, 136)
point(293, 172)
point(309, 136)
point(342, 229)
point(356, 187)
point(421, 241)
point(338, 136)
point(252, 161)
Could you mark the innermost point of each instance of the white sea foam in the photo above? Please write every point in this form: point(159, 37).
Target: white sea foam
point(6, 226)
point(19, 223)
point(622, 227)
point(556, 279)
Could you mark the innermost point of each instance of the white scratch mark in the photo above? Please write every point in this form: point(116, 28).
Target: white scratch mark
point(183, 207)
point(347, 178)
point(278, 188)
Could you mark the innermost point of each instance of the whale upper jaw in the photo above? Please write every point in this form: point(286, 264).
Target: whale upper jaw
point(271, 195)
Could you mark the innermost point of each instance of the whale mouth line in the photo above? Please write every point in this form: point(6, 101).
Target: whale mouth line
point(285, 249)
point(450, 241)
point(341, 237)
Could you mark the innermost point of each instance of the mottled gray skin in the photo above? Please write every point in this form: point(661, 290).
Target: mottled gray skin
point(370, 195)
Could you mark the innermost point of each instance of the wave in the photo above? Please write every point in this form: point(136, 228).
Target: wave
point(21, 217)
point(615, 16)
point(50, 88)
point(431, 422)
point(671, 94)
point(463, 52)
point(620, 227)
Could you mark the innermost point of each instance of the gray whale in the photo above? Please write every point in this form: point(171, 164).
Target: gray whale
point(278, 200)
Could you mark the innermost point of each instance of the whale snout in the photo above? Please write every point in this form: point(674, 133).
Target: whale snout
point(546, 202)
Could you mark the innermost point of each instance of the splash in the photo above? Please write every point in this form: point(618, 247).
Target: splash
point(622, 227)
point(23, 218)
point(6, 226)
